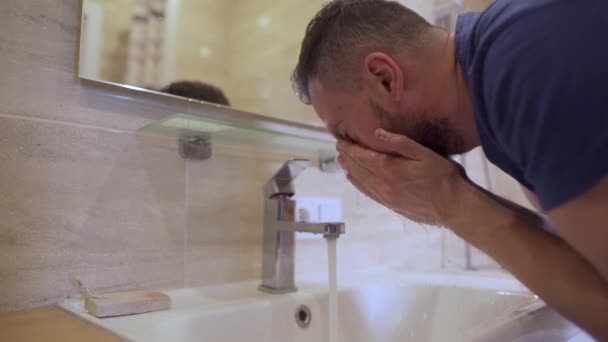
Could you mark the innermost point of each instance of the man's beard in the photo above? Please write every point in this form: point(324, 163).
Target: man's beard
point(436, 134)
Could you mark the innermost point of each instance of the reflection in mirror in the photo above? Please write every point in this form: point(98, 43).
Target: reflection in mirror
point(228, 52)
point(197, 90)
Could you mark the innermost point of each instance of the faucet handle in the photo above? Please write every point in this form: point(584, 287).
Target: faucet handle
point(281, 182)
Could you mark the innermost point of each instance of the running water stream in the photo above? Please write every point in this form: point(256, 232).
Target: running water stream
point(333, 290)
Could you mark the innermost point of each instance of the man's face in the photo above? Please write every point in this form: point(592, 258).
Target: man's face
point(356, 116)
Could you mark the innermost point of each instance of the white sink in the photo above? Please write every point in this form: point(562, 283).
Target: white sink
point(377, 305)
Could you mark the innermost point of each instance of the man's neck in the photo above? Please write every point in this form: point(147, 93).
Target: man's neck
point(464, 112)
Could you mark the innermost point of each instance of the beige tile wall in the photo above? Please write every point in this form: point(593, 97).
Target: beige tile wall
point(79, 194)
point(82, 195)
point(85, 202)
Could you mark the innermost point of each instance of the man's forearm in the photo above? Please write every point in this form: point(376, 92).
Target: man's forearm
point(547, 265)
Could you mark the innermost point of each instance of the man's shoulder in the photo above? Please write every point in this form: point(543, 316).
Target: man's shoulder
point(537, 78)
point(537, 47)
point(504, 33)
point(533, 21)
point(508, 12)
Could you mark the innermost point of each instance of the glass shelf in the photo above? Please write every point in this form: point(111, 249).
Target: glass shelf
point(188, 126)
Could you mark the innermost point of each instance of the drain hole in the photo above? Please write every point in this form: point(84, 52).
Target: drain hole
point(303, 316)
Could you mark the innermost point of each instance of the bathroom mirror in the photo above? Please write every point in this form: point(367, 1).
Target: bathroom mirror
point(240, 52)
point(245, 49)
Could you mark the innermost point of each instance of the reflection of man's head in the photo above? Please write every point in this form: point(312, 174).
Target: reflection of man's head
point(368, 64)
point(197, 90)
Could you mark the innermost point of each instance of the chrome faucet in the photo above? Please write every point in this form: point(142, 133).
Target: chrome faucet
point(280, 226)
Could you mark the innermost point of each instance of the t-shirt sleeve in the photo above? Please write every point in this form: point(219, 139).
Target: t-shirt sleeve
point(546, 90)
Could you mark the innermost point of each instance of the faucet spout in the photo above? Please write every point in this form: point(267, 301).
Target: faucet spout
point(328, 229)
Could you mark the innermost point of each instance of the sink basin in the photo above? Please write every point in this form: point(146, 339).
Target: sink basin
point(375, 305)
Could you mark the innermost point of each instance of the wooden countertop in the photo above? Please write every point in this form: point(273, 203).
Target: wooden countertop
point(49, 324)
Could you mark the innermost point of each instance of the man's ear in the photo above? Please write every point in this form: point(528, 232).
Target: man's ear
point(384, 75)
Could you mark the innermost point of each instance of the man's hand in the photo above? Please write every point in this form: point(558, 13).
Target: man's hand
point(414, 181)
point(427, 188)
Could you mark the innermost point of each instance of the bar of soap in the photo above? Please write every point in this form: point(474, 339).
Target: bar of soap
point(126, 303)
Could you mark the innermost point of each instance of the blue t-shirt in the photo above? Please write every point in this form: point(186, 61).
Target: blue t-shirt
point(537, 71)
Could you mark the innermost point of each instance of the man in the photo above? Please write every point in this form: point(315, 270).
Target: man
point(527, 80)
point(197, 90)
